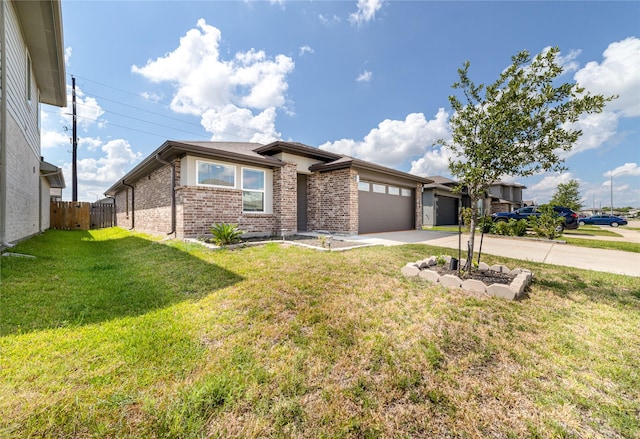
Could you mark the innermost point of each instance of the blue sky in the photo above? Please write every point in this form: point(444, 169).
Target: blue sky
point(368, 78)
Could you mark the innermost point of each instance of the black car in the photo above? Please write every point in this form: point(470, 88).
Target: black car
point(570, 217)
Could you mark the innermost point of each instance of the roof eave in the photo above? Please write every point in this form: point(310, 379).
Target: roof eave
point(297, 149)
point(172, 149)
point(41, 23)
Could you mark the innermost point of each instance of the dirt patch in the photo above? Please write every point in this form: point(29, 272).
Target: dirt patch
point(327, 243)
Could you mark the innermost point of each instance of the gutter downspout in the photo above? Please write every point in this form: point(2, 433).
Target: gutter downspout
point(3, 130)
point(173, 193)
point(133, 205)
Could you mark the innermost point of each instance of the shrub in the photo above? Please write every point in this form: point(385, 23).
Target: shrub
point(225, 234)
point(486, 224)
point(549, 224)
point(466, 213)
point(519, 227)
point(503, 228)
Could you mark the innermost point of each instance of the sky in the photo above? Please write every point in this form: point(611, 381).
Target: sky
point(367, 78)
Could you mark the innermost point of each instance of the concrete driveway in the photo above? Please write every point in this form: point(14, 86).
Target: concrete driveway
point(548, 252)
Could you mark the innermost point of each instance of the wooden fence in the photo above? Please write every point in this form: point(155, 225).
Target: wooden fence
point(70, 215)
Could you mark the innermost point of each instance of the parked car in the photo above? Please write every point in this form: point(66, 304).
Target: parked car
point(570, 217)
point(603, 220)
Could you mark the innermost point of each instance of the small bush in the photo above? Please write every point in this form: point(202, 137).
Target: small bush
point(225, 234)
point(548, 224)
point(519, 227)
point(503, 228)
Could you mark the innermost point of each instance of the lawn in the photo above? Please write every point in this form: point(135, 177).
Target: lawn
point(112, 334)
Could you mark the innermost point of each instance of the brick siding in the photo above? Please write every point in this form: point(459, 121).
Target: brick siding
point(333, 201)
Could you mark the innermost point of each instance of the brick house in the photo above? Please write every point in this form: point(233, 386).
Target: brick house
point(183, 188)
point(32, 72)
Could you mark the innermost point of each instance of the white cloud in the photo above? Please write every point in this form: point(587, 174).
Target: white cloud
point(435, 161)
point(617, 74)
point(542, 191)
point(395, 141)
point(54, 139)
point(597, 129)
point(327, 21)
point(153, 97)
point(305, 49)
point(364, 76)
point(88, 110)
point(246, 126)
point(96, 175)
point(366, 11)
point(213, 88)
point(67, 54)
point(626, 169)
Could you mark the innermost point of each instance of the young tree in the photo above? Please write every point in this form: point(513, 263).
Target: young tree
point(567, 195)
point(516, 126)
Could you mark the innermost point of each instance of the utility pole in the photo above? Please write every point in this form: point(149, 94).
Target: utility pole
point(74, 170)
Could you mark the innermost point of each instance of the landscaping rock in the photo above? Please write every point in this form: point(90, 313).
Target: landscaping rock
point(410, 270)
point(499, 268)
point(502, 291)
point(474, 285)
point(430, 276)
point(483, 266)
point(451, 281)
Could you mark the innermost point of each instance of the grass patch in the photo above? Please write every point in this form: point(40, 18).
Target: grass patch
point(626, 246)
point(592, 231)
point(139, 339)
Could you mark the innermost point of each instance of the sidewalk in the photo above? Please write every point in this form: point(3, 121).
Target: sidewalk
point(608, 261)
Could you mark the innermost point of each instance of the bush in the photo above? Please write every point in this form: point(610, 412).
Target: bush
point(486, 224)
point(225, 234)
point(466, 213)
point(519, 227)
point(549, 224)
point(503, 228)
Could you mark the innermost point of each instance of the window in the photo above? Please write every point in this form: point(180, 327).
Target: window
point(394, 190)
point(216, 174)
point(363, 186)
point(253, 190)
point(379, 188)
point(406, 192)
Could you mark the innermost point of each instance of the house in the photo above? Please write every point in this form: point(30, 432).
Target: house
point(505, 197)
point(441, 203)
point(32, 72)
point(282, 188)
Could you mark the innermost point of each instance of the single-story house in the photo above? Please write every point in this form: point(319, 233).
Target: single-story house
point(282, 188)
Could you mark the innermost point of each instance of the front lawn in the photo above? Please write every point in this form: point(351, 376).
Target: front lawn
point(112, 334)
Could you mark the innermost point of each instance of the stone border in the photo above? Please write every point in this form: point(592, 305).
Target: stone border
point(511, 292)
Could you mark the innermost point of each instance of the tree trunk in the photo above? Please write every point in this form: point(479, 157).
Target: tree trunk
point(472, 233)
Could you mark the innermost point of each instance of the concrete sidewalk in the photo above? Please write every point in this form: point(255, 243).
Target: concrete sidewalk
point(608, 261)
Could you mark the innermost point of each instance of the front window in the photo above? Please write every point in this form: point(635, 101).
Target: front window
point(216, 174)
point(253, 188)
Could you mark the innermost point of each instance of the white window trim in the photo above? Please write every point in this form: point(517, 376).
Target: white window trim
point(361, 186)
point(378, 188)
point(235, 185)
point(27, 79)
point(393, 190)
point(405, 192)
point(263, 191)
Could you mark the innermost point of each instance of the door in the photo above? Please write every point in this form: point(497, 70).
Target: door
point(385, 208)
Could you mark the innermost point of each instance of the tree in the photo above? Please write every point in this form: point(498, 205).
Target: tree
point(567, 195)
point(517, 126)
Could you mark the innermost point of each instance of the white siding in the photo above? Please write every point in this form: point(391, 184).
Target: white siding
point(23, 137)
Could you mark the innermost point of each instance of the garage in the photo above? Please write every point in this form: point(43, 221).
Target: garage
point(446, 211)
point(385, 207)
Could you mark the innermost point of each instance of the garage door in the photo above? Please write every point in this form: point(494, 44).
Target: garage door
point(385, 208)
point(447, 211)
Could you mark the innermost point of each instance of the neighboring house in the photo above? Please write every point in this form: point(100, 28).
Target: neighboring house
point(281, 188)
point(51, 185)
point(505, 197)
point(32, 72)
point(441, 204)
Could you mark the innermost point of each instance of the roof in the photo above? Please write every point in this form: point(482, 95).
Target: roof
point(504, 183)
point(254, 154)
point(53, 174)
point(41, 25)
point(438, 179)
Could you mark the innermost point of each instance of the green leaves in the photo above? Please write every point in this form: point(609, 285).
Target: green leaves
point(225, 234)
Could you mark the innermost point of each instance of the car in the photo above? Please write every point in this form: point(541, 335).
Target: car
point(603, 220)
point(570, 217)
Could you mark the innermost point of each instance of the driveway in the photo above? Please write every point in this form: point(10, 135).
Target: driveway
point(608, 261)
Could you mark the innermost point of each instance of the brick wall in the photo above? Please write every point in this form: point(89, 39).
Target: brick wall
point(200, 207)
point(23, 185)
point(285, 201)
point(333, 201)
point(152, 209)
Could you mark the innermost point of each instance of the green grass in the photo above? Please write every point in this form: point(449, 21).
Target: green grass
point(111, 334)
point(626, 246)
point(592, 231)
